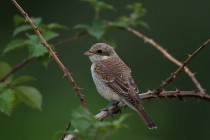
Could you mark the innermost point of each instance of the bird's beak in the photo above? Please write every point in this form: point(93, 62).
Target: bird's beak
point(88, 53)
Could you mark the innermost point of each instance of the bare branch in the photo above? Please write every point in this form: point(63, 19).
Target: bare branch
point(152, 95)
point(64, 69)
point(15, 68)
point(173, 75)
point(167, 55)
point(70, 39)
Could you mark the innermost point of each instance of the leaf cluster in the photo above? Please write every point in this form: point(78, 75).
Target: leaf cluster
point(99, 27)
point(13, 90)
point(90, 128)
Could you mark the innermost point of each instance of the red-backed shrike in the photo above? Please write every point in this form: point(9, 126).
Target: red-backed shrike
point(113, 79)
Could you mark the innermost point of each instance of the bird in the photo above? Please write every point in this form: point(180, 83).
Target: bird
point(113, 80)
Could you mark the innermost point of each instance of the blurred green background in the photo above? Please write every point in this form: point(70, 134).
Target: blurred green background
point(179, 26)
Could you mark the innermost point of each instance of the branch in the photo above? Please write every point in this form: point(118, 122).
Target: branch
point(64, 69)
point(15, 68)
point(173, 75)
point(152, 95)
point(160, 93)
point(167, 55)
point(70, 39)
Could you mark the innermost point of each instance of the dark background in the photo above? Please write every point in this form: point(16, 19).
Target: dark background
point(179, 26)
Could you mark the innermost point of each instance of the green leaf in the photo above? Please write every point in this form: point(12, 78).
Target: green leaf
point(48, 35)
point(37, 20)
point(30, 96)
point(14, 44)
point(89, 127)
point(2, 86)
point(137, 8)
point(144, 24)
point(22, 26)
point(99, 5)
point(22, 79)
point(21, 29)
point(117, 24)
point(132, 20)
point(81, 119)
point(97, 29)
point(18, 20)
point(81, 26)
point(56, 26)
point(33, 39)
point(37, 50)
point(4, 69)
point(7, 101)
point(44, 60)
point(52, 26)
point(119, 122)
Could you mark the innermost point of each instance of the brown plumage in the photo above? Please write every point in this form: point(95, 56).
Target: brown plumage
point(113, 79)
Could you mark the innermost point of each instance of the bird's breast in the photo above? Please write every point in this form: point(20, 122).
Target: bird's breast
point(102, 87)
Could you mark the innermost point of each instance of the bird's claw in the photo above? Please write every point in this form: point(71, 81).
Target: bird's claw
point(116, 111)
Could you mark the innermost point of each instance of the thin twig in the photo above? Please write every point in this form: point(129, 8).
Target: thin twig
point(173, 75)
point(70, 39)
point(152, 95)
point(167, 55)
point(67, 129)
point(69, 136)
point(15, 68)
point(52, 53)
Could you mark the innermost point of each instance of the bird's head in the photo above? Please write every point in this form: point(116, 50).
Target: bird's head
point(100, 51)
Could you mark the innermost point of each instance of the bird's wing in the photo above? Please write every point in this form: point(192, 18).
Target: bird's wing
point(117, 76)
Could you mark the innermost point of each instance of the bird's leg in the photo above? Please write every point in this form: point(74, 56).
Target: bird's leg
point(116, 105)
point(112, 104)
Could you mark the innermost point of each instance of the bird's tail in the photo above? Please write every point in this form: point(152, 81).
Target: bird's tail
point(146, 118)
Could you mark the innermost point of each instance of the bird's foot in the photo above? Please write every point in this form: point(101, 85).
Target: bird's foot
point(117, 108)
point(110, 107)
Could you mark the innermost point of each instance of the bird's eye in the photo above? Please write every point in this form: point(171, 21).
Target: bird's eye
point(99, 51)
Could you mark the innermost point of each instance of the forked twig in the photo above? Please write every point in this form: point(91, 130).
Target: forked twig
point(173, 75)
point(52, 53)
point(168, 56)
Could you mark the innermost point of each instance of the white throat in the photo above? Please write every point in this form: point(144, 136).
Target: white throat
point(96, 58)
